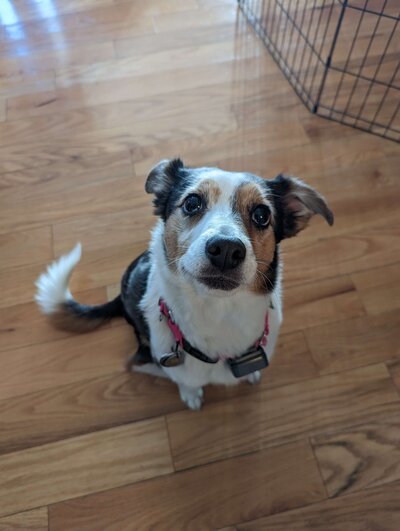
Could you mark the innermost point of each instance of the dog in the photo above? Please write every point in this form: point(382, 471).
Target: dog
point(205, 298)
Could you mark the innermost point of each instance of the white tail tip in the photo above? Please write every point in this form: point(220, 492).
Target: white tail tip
point(52, 285)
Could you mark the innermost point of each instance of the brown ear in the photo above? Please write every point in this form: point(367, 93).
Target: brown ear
point(296, 203)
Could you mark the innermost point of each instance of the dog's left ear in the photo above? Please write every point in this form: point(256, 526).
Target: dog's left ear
point(296, 203)
point(162, 179)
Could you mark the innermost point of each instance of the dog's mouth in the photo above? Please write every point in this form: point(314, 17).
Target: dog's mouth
point(219, 282)
point(215, 281)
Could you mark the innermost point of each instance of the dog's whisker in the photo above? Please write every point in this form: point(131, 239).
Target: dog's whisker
point(264, 277)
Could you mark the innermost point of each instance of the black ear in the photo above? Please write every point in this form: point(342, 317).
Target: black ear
point(161, 181)
point(295, 204)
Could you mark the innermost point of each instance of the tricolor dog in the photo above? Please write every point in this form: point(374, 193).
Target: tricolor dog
point(205, 298)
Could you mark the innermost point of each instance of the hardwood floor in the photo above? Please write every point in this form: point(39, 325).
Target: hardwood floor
point(92, 94)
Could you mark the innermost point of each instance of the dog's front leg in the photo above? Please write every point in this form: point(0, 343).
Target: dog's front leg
point(192, 396)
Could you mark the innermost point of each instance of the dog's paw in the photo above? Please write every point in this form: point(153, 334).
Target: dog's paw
point(254, 377)
point(191, 396)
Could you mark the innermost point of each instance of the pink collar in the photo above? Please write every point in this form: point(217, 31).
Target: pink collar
point(183, 345)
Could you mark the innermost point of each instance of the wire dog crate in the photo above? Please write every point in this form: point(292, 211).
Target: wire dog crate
point(341, 57)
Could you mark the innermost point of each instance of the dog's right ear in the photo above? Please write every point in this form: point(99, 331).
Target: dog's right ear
point(162, 177)
point(162, 180)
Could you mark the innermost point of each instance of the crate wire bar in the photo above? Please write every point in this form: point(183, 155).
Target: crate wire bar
point(341, 57)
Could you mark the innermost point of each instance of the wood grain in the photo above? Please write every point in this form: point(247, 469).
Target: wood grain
point(361, 457)
point(370, 509)
point(64, 361)
point(43, 170)
point(174, 40)
point(75, 467)
point(203, 16)
point(379, 288)
point(65, 198)
point(23, 325)
point(321, 302)
point(328, 256)
point(154, 85)
point(85, 406)
point(274, 416)
point(35, 520)
point(133, 66)
point(98, 24)
point(49, 58)
point(26, 247)
point(247, 492)
point(112, 140)
point(112, 229)
point(355, 342)
point(20, 84)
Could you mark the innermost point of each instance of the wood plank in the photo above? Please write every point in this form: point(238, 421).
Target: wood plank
point(86, 406)
point(28, 12)
point(17, 286)
point(259, 484)
point(329, 156)
point(275, 416)
point(359, 458)
point(23, 325)
point(99, 142)
point(370, 509)
point(175, 40)
point(379, 288)
point(50, 58)
point(107, 91)
point(98, 24)
point(202, 16)
point(355, 342)
point(159, 61)
point(106, 116)
point(54, 167)
point(207, 150)
point(324, 301)
point(116, 228)
point(311, 257)
point(20, 84)
point(73, 359)
point(27, 247)
point(75, 467)
point(22, 206)
point(35, 520)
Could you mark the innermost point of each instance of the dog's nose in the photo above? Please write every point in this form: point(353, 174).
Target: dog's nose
point(225, 253)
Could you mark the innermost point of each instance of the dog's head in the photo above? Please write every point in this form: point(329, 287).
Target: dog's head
point(222, 229)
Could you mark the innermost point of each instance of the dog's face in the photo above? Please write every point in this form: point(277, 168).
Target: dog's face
point(222, 229)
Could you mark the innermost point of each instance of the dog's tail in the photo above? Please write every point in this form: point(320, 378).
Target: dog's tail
point(55, 299)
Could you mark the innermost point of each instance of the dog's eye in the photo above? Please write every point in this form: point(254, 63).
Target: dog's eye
point(261, 216)
point(192, 204)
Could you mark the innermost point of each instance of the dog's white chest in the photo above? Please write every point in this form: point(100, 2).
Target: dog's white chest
point(220, 327)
